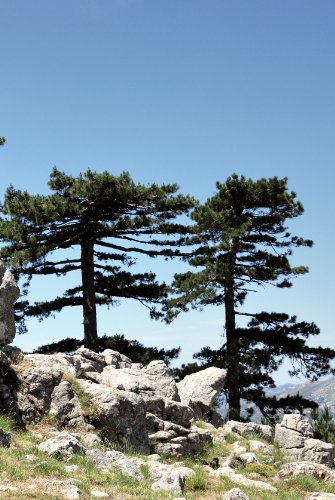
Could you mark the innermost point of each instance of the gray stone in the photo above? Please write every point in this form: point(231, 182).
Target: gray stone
point(240, 479)
point(289, 439)
point(121, 415)
point(248, 458)
point(203, 386)
point(247, 428)
point(91, 439)
point(319, 471)
point(296, 422)
point(318, 451)
point(259, 446)
point(71, 492)
point(235, 494)
point(64, 445)
point(167, 477)
point(293, 436)
point(152, 380)
point(9, 293)
point(107, 460)
point(5, 438)
point(99, 494)
point(114, 358)
point(65, 406)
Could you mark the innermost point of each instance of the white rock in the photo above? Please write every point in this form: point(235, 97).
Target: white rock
point(235, 494)
point(240, 479)
point(71, 492)
point(203, 386)
point(99, 494)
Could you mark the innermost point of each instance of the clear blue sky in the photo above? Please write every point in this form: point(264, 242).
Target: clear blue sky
point(184, 91)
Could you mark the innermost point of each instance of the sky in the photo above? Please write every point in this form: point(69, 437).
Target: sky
point(185, 91)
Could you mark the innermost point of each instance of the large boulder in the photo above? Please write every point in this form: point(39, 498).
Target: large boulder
point(65, 406)
point(204, 385)
point(120, 415)
point(154, 379)
point(294, 436)
point(9, 293)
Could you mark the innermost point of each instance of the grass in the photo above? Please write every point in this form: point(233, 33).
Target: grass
point(85, 400)
point(46, 473)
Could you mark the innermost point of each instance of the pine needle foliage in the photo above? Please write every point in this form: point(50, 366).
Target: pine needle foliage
point(244, 244)
point(109, 219)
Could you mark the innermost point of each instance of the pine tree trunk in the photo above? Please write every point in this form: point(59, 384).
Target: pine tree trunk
point(89, 305)
point(232, 379)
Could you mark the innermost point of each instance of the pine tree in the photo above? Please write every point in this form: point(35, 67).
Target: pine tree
point(245, 244)
point(109, 219)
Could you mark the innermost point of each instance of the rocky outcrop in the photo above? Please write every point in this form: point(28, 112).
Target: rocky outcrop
point(9, 293)
point(295, 437)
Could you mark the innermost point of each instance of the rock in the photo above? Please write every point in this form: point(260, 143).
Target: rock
point(321, 496)
point(294, 437)
point(71, 468)
point(296, 422)
point(65, 364)
point(204, 386)
point(121, 415)
point(240, 479)
point(164, 383)
point(290, 441)
point(205, 413)
point(5, 438)
point(91, 355)
point(64, 445)
point(34, 398)
point(248, 458)
point(318, 471)
point(9, 293)
point(247, 428)
point(167, 477)
point(71, 492)
point(65, 406)
point(318, 451)
point(7, 488)
point(99, 494)
point(237, 448)
point(114, 358)
point(261, 447)
point(152, 380)
point(235, 494)
point(106, 460)
point(91, 439)
point(178, 441)
point(177, 413)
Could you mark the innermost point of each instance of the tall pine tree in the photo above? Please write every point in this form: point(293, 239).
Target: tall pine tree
point(109, 219)
point(245, 244)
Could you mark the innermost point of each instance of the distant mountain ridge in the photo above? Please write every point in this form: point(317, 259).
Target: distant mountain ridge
point(322, 391)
